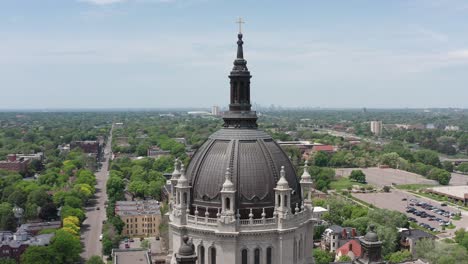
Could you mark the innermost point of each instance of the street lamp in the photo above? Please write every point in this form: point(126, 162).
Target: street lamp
point(18, 212)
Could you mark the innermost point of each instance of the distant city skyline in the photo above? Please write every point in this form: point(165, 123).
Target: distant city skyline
point(121, 54)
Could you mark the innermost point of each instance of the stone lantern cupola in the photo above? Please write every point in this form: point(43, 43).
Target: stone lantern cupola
point(306, 184)
point(174, 179)
point(282, 195)
point(228, 193)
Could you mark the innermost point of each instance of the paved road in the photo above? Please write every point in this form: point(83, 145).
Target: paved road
point(92, 226)
point(458, 179)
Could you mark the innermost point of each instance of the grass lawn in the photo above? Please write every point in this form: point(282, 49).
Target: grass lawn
point(47, 231)
point(344, 183)
point(413, 187)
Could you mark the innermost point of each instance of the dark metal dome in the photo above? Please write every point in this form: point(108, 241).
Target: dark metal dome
point(252, 156)
point(254, 159)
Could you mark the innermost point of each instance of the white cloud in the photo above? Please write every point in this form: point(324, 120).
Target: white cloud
point(458, 54)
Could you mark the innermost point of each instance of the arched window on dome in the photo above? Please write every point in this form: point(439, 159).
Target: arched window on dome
point(244, 256)
point(269, 255)
point(257, 256)
point(228, 203)
point(201, 254)
point(212, 255)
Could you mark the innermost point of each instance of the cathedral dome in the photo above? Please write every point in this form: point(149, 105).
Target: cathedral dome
point(254, 160)
point(252, 156)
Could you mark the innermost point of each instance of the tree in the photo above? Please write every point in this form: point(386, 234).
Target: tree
point(448, 166)
point(95, 260)
point(107, 245)
point(322, 257)
point(145, 244)
point(7, 218)
point(427, 157)
point(440, 252)
point(7, 261)
point(358, 175)
point(463, 167)
point(440, 175)
point(386, 188)
point(67, 247)
point(390, 159)
point(344, 258)
point(70, 211)
point(48, 212)
point(321, 159)
point(38, 255)
point(399, 256)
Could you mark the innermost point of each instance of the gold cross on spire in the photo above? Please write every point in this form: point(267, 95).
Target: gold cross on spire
point(240, 22)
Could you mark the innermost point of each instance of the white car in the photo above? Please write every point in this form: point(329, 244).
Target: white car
point(100, 237)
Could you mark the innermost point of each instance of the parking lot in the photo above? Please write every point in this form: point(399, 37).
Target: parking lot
point(381, 177)
point(136, 243)
point(400, 201)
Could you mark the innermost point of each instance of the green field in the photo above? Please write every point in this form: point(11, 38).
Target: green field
point(413, 187)
point(344, 183)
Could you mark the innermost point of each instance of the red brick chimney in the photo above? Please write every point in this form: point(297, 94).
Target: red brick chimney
point(350, 246)
point(11, 157)
point(353, 232)
point(344, 233)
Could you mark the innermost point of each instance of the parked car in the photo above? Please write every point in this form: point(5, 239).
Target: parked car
point(443, 204)
point(404, 199)
point(131, 240)
point(127, 245)
point(100, 237)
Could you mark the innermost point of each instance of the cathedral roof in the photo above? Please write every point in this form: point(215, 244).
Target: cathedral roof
point(254, 159)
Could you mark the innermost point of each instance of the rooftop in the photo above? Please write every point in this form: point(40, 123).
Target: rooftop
point(415, 234)
point(134, 256)
point(145, 207)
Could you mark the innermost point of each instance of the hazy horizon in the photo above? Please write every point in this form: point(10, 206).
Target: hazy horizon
point(148, 54)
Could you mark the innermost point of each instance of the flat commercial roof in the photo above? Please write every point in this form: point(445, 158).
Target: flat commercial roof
point(131, 256)
point(457, 191)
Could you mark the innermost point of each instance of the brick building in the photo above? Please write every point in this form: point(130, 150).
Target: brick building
point(141, 218)
point(13, 163)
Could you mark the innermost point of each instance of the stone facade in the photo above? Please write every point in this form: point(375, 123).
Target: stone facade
point(141, 218)
point(285, 237)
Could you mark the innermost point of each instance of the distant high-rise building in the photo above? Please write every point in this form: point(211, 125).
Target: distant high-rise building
point(215, 110)
point(376, 127)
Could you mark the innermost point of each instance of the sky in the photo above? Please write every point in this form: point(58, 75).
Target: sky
point(178, 53)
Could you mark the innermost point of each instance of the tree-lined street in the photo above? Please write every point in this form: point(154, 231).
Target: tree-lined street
point(95, 211)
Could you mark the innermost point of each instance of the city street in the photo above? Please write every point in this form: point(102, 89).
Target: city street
point(92, 227)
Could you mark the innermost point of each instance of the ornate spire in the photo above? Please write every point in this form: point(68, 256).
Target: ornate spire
point(305, 175)
point(240, 114)
point(176, 172)
point(282, 182)
point(228, 185)
point(182, 182)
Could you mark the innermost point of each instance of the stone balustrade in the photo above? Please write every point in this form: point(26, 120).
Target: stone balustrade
point(291, 220)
